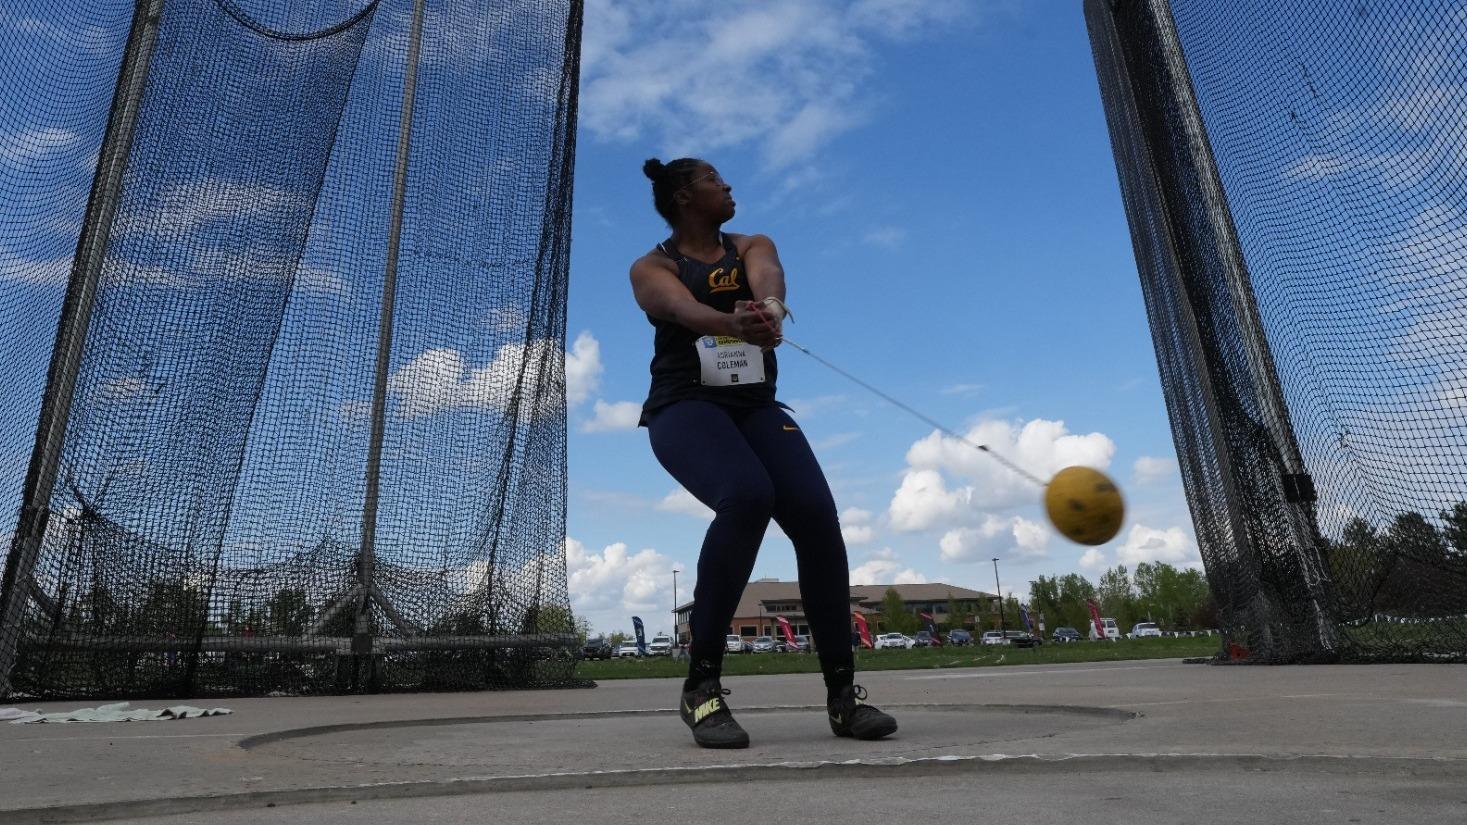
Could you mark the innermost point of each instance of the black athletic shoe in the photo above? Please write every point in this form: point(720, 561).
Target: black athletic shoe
point(705, 711)
point(851, 716)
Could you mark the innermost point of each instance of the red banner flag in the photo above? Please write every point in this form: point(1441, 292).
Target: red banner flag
point(863, 630)
point(932, 628)
point(1095, 618)
point(789, 632)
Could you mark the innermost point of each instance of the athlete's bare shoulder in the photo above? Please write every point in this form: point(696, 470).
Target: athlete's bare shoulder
point(744, 243)
point(654, 260)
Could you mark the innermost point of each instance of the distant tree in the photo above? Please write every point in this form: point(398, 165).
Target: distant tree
point(1011, 613)
point(1148, 585)
point(288, 613)
point(1117, 598)
point(1455, 531)
point(1044, 597)
point(955, 613)
point(1416, 537)
point(1204, 615)
point(553, 619)
point(583, 628)
point(96, 611)
point(1074, 591)
point(894, 614)
point(1417, 562)
point(170, 608)
point(1356, 565)
point(1194, 599)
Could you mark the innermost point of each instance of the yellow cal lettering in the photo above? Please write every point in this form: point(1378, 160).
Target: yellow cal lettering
point(719, 282)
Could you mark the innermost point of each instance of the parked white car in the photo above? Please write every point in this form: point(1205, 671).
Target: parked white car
point(660, 646)
point(736, 644)
point(993, 637)
point(1112, 631)
point(1142, 629)
point(893, 640)
point(628, 650)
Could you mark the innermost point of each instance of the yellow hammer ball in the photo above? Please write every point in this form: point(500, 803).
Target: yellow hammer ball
point(1084, 505)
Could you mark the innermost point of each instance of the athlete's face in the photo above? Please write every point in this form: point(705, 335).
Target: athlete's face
point(708, 194)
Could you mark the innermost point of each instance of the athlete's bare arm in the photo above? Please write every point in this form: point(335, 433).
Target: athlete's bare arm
point(660, 294)
point(761, 261)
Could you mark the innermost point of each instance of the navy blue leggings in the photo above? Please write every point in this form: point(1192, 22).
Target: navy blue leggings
point(750, 465)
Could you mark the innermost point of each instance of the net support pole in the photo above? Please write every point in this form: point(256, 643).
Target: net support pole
point(1262, 369)
point(71, 331)
point(1161, 262)
point(367, 592)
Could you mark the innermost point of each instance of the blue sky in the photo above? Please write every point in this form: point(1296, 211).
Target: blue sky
point(939, 181)
point(938, 177)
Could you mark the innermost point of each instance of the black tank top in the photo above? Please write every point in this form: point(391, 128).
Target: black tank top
point(676, 372)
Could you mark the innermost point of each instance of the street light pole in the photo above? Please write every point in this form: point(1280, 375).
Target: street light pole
point(1002, 625)
point(677, 633)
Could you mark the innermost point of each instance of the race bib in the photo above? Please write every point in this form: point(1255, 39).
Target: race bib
point(729, 362)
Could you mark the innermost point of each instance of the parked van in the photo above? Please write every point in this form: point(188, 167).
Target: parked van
point(1112, 630)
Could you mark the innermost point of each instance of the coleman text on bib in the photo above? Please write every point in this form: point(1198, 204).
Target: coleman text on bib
point(728, 362)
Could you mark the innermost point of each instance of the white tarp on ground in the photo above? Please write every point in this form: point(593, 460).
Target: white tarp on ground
point(119, 712)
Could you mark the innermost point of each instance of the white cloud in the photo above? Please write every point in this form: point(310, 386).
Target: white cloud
point(1151, 469)
point(651, 69)
point(836, 440)
point(905, 18)
point(1031, 538)
point(889, 237)
point(607, 587)
point(29, 148)
point(315, 280)
point(925, 499)
point(27, 270)
point(1011, 536)
point(1148, 544)
point(682, 501)
point(582, 368)
point(186, 208)
point(884, 568)
point(441, 379)
point(856, 527)
point(128, 388)
point(811, 407)
point(621, 415)
point(508, 320)
point(1094, 561)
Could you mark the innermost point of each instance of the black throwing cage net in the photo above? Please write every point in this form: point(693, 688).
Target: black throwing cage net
point(1296, 185)
point(284, 284)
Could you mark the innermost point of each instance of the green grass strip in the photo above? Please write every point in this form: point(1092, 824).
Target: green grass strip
point(916, 659)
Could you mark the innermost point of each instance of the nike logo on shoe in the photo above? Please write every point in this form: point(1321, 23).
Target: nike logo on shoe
point(703, 710)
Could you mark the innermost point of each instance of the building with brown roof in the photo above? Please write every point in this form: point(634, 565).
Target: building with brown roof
point(764, 600)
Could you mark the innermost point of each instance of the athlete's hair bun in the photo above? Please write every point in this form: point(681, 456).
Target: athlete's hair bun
point(653, 168)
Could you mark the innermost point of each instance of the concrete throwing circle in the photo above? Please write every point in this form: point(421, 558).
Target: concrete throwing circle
point(490, 746)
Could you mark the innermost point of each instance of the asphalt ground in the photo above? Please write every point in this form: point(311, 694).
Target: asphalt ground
point(1129, 742)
